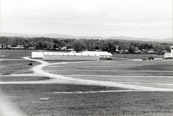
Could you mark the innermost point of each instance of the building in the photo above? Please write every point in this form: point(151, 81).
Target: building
point(69, 56)
point(18, 47)
point(84, 56)
point(37, 55)
point(101, 54)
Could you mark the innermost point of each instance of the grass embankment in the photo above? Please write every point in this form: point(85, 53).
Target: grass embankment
point(40, 100)
point(14, 54)
point(16, 66)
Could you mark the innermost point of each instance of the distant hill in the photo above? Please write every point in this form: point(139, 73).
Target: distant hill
point(35, 35)
point(50, 35)
point(167, 40)
point(129, 38)
point(54, 35)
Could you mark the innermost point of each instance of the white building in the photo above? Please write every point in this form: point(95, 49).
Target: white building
point(86, 55)
point(18, 47)
point(37, 55)
point(101, 54)
point(69, 56)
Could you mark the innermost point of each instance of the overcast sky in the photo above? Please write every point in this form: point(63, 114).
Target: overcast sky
point(134, 18)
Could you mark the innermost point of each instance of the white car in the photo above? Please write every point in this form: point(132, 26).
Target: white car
point(168, 56)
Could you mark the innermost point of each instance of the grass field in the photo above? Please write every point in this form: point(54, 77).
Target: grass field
point(41, 100)
point(144, 73)
point(86, 100)
point(116, 68)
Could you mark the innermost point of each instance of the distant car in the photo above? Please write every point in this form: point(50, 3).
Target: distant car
point(30, 64)
point(167, 56)
point(151, 58)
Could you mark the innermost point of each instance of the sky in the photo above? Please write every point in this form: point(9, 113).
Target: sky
point(134, 18)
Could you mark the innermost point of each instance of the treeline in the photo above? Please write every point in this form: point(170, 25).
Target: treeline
point(119, 46)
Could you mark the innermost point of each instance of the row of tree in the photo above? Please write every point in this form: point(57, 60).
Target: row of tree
point(78, 45)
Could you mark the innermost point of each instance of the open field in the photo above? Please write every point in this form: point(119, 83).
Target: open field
point(49, 100)
point(157, 73)
point(78, 99)
point(115, 68)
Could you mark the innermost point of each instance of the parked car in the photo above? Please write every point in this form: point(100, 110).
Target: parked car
point(167, 56)
point(151, 58)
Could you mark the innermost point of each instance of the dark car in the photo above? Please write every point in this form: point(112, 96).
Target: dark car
point(151, 58)
point(30, 64)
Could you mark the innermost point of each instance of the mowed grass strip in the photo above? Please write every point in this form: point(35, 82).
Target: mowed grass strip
point(22, 78)
point(55, 87)
point(107, 72)
point(40, 100)
point(126, 79)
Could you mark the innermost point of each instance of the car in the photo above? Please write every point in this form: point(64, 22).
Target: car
point(151, 58)
point(167, 56)
point(30, 64)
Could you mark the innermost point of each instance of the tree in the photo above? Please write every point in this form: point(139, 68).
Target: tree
point(79, 45)
point(40, 45)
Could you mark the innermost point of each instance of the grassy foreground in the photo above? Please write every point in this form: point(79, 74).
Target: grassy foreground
point(40, 100)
